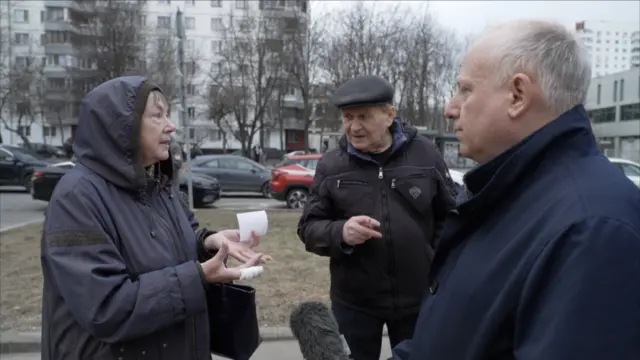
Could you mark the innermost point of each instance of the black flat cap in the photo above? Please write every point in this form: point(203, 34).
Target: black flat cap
point(364, 90)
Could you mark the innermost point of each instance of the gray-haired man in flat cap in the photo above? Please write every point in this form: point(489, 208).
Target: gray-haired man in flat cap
point(376, 207)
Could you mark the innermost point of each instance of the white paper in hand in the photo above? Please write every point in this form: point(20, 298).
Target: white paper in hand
point(253, 221)
point(250, 273)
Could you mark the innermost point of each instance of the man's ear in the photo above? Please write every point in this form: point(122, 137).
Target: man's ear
point(391, 113)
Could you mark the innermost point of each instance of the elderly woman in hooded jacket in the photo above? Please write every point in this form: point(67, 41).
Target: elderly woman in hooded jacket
point(124, 262)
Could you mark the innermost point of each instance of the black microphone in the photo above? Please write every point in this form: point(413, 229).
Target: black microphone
point(316, 330)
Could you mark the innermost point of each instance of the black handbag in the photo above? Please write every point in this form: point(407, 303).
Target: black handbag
point(233, 321)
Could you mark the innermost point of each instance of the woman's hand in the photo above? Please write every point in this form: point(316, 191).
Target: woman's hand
point(215, 271)
point(241, 251)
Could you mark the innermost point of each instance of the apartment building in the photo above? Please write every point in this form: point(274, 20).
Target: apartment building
point(52, 26)
point(613, 104)
point(21, 28)
point(614, 46)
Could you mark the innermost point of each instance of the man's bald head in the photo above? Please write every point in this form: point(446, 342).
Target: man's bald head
point(515, 78)
point(545, 51)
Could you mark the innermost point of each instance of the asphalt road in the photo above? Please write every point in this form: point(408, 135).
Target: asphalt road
point(268, 350)
point(17, 207)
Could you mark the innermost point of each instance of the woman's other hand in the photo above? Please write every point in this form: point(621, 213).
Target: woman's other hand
point(241, 251)
point(215, 271)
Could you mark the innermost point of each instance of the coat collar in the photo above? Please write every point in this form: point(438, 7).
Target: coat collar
point(568, 136)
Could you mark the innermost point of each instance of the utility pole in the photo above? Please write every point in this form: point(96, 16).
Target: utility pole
point(184, 121)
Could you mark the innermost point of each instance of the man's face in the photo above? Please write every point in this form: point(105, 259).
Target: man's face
point(479, 109)
point(367, 127)
point(155, 130)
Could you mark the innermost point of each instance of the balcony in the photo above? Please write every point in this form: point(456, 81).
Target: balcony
point(292, 101)
point(57, 25)
point(59, 3)
point(59, 49)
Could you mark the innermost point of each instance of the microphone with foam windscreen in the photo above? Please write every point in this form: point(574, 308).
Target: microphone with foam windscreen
point(316, 330)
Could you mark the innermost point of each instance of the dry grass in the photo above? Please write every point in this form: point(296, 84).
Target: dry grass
point(293, 276)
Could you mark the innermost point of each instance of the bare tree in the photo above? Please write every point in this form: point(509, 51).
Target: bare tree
point(410, 50)
point(301, 60)
point(245, 78)
point(163, 67)
point(22, 95)
point(110, 41)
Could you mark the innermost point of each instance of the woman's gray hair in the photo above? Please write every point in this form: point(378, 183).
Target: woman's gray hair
point(548, 52)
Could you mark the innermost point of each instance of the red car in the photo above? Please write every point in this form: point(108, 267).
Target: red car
point(292, 179)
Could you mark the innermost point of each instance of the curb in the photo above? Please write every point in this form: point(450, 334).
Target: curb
point(13, 342)
point(17, 226)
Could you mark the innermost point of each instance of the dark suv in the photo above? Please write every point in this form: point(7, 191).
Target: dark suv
point(17, 165)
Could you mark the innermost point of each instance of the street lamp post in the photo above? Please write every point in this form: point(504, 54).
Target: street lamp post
point(183, 102)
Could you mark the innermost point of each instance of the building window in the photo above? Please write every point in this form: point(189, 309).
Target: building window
point(54, 14)
point(22, 62)
point(599, 92)
point(190, 2)
point(165, 2)
point(191, 67)
point(191, 89)
point(216, 46)
point(603, 115)
point(216, 3)
point(20, 16)
point(191, 113)
point(56, 37)
point(24, 130)
point(49, 131)
point(190, 23)
point(621, 89)
point(164, 22)
point(242, 4)
point(21, 38)
point(615, 91)
point(216, 24)
point(190, 45)
point(53, 60)
point(630, 112)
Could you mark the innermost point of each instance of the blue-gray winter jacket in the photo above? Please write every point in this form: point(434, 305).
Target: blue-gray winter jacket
point(119, 251)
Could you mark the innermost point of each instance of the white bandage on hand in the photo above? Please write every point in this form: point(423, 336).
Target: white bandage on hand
point(251, 273)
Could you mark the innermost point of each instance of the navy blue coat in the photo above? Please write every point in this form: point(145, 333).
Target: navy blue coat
point(119, 251)
point(541, 262)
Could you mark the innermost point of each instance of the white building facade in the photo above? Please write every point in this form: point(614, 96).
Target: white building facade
point(613, 103)
point(21, 28)
point(204, 22)
point(614, 46)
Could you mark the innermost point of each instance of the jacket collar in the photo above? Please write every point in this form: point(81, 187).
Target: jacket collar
point(400, 136)
point(568, 136)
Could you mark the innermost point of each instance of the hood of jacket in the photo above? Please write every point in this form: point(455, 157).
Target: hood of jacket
point(108, 135)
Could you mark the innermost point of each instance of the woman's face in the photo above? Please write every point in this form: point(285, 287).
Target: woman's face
point(155, 130)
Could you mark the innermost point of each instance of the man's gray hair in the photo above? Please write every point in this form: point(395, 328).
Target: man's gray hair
point(549, 53)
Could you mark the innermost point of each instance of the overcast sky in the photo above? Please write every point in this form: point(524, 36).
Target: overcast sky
point(467, 17)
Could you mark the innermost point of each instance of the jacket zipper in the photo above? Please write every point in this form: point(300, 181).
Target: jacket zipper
point(387, 220)
point(347, 182)
point(178, 254)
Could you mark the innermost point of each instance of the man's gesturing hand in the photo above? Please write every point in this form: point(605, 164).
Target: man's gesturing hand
point(215, 270)
point(359, 229)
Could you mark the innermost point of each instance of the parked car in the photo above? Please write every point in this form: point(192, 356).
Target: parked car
point(17, 165)
point(235, 173)
point(629, 168)
point(292, 179)
point(45, 150)
point(206, 190)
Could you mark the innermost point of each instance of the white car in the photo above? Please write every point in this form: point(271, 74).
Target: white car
point(629, 168)
point(456, 176)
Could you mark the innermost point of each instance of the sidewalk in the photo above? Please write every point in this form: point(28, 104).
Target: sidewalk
point(269, 350)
